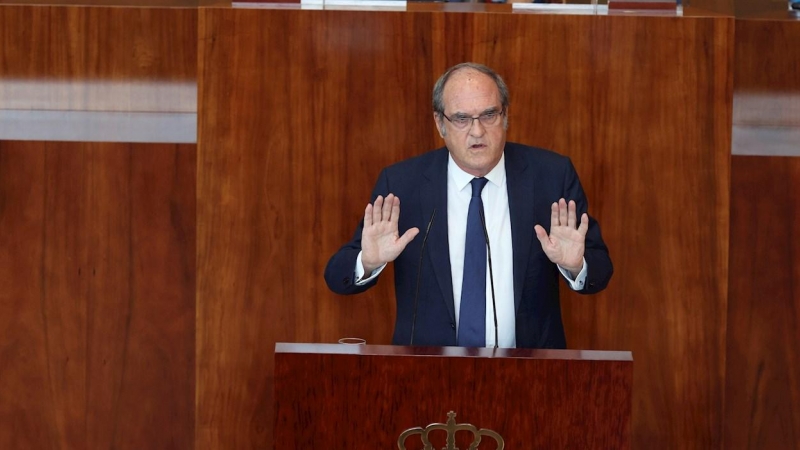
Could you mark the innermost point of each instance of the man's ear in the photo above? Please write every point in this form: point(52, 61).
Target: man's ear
point(437, 119)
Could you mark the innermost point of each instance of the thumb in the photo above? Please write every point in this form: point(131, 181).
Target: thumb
point(541, 234)
point(584, 226)
point(408, 236)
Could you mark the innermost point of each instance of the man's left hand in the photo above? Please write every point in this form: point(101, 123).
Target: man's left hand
point(566, 243)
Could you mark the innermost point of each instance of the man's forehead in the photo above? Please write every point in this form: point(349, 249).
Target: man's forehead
point(471, 91)
point(468, 78)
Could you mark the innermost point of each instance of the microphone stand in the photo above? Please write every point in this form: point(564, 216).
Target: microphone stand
point(491, 272)
point(419, 276)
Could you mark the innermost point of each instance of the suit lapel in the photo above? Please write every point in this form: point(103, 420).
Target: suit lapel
point(433, 193)
point(520, 204)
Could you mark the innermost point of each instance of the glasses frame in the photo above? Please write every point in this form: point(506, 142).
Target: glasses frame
point(479, 118)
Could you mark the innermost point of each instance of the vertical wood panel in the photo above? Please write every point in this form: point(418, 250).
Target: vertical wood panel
point(763, 376)
point(295, 125)
point(766, 60)
point(26, 413)
point(766, 109)
point(286, 164)
point(653, 153)
point(763, 361)
point(99, 351)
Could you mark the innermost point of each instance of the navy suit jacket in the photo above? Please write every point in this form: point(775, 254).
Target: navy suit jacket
point(535, 179)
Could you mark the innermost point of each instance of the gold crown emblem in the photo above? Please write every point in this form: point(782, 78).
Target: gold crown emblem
point(451, 427)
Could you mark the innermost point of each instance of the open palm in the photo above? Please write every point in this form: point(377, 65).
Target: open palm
point(380, 239)
point(565, 244)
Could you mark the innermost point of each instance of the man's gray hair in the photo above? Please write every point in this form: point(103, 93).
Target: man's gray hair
point(438, 88)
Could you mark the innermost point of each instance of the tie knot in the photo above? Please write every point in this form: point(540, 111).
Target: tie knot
point(477, 186)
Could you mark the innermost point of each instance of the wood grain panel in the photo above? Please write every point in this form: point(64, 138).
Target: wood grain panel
point(97, 309)
point(763, 376)
point(26, 412)
point(749, 8)
point(299, 110)
point(582, 402)
point(766, 107)
point(284, 168)
point(717, 6)
point(763, 362)
point(651, 137)
point(766, 59)
point(97, 58)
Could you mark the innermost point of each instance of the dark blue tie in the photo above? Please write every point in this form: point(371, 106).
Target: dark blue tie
point(472, 317)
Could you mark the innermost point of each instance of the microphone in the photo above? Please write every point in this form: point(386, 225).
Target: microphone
point(491, 273)
point(419, 276)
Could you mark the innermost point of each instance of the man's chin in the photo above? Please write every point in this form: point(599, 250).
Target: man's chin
point(482, 167)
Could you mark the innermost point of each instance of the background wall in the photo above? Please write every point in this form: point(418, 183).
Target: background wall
point(97, 239)
point(279, 193)
point(203, 255)
point(762, 382)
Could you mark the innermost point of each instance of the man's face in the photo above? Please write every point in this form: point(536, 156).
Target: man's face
point(478, 147)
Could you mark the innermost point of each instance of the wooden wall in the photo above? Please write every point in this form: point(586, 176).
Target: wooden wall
point(97, 306)
point(762, 381)
point(279, 192)
point(71, 53)
point(763, 358)
point(97, 239)
point(144, 285)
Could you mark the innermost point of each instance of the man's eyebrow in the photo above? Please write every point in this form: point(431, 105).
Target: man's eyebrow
point(493, 109)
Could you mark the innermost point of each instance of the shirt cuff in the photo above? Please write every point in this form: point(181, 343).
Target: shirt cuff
point(576, 284)
point(359, 272)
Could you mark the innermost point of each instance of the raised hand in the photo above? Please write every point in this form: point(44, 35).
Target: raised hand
point(380, 239)
point(566, 243)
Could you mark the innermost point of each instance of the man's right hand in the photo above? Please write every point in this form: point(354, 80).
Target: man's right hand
point(380, 239)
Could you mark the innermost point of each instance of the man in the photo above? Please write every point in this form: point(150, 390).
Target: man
point(445, 294)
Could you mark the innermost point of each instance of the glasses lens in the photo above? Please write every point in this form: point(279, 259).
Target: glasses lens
point(489, 119)
point(486, 119)
point(462, 121)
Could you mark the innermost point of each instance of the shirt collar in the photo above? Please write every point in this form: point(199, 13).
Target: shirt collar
point(496, 176)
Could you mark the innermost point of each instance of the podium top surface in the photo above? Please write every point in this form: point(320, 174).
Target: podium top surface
point(455, 352)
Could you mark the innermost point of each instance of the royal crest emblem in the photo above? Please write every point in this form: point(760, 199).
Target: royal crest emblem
point(451, 427)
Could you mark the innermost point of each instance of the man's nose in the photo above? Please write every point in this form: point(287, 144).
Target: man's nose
point(476, 129)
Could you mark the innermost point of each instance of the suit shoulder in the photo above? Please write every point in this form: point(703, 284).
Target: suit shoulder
point(418, 164)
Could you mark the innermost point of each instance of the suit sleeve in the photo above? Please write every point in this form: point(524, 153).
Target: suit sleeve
point(598, 261)
point(340, 271)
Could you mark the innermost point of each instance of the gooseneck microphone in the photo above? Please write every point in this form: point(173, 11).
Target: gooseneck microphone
point(419, 276)
point(491, 273)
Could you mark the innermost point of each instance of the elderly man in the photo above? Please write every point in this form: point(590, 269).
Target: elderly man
point(502, 223)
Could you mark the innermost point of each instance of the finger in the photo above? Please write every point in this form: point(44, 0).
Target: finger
point(408, 236)
point(541, 234)
point(553, 215)
point(584, 224)
point(572, 219)
point(377, 210)
point(387, 207)
point(395, 211)
point(562, 212)
point(368, 215)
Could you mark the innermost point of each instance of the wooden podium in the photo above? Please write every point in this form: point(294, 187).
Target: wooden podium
point(365, 396)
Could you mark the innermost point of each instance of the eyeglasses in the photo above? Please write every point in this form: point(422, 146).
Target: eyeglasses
point(487, 119)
